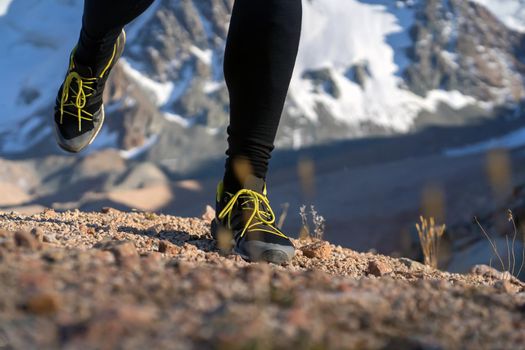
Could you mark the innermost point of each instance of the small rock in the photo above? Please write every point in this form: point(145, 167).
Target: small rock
point(55, 255)
point(6, 240)
point(87, 230)
point(38, 233)
point(26, 240)
point(169, 248)
point(486, 271)
point(49, 213)
point(137, 315)
point(49, 238)
point(105, 257)
point(42, 304)
point(379, 268)
point(209, 214)
point(153, 260)
point(320, 249)
point(412, 265)
point(109, 210)
point(235, 257)
point(506, 286)
point(129, 316)
point(125, 252)
point(187, 247)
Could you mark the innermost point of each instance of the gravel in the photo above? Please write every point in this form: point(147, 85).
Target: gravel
point(135, 280)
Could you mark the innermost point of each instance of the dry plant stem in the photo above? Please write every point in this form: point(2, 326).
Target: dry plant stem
point(429, 236)
point(319, 223)
point(511, 219)
point(304, 220)
point(492, 243)
point(508, 253)
point(282, 218)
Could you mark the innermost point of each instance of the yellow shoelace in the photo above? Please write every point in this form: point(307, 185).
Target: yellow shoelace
point(78, 98)
point(262, 217)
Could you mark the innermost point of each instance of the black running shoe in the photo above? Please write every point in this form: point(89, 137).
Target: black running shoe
point(247, 217)
point(79, 109)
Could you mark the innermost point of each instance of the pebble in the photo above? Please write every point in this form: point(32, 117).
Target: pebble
point(320, 250)
point(109, 210)
point(38, 233)
point(379, 268)
point(169, 248)
point(413, 265)
point(49, 213)
point(49, 238)
point(26, 240)
point(125, 252)
point(42, 303)
point(209, 214)
point(346, 300)
point(506, 286)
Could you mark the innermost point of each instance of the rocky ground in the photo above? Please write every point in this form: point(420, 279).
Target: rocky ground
point(132, 280)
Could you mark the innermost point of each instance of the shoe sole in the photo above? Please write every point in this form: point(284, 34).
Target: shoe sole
point(275, 256)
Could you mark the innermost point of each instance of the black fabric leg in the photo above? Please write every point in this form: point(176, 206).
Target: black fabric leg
point(261, 50)
point(102, 23)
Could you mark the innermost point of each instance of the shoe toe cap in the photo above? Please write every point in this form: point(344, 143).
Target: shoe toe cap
point(77, 143)
point(270, 252)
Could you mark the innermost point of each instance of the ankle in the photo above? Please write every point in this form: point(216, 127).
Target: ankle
point(93, 52)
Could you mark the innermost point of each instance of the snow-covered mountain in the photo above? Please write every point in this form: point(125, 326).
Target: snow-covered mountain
point(365, 67)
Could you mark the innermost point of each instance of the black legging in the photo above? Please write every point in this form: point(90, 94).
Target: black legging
point(260, 55)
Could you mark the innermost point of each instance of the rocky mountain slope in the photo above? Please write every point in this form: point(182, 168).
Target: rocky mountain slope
point(115, 279)
point(365, 68)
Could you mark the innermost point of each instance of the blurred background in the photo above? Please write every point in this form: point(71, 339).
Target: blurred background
point(397, 109)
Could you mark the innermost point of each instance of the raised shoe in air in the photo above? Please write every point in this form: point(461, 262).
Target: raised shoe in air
point(79, 109)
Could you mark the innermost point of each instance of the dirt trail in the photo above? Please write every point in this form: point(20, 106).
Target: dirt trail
point(131, 280)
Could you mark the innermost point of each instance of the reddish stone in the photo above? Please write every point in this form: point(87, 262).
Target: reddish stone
point(379, 268)
point(169, 248)
point(320, 250)
point(42, 303)
point(26, 240)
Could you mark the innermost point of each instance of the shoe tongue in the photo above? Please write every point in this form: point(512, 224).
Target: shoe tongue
point(254, 183)
point(84, 71)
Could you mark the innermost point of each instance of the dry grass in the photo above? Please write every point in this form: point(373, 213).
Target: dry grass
point(318, 222)
point(429, 237)
point(509, 265)
point(282, 217)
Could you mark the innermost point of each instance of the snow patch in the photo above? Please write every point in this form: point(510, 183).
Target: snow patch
point(212, 86)
point(137, 151)
point(176, 118)
point(340, 34)
point(28, 134)
point(160, 92)
point(4, 6)
point(512, 140)
point(36, 38)
point(510, 12)
point(454, 99)
point(205, 56)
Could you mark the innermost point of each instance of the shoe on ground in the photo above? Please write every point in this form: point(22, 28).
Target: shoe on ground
point(247, 218)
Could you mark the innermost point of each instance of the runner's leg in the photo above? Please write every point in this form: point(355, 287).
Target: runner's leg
point(102, 23)
point(260, 56)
